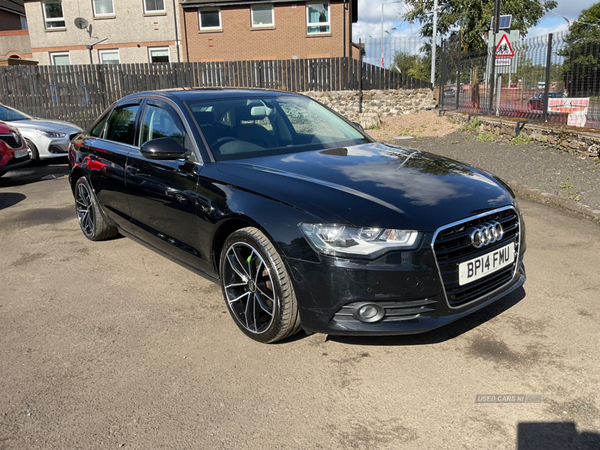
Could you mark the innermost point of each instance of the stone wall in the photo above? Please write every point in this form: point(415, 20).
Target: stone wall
point(384, 103)
point(582, 142)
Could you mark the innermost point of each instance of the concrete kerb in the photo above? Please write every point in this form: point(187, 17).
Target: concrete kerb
point(554, 200)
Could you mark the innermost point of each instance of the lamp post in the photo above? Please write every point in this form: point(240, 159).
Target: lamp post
point(382, 5)
point(434, 41)
point(90, 47)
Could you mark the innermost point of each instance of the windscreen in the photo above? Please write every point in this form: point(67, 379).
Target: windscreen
point(237, 128)
point(7, 114)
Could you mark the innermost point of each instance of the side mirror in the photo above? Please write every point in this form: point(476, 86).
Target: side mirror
point(163, 148)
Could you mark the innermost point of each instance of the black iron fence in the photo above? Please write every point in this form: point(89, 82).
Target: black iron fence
point(79, 94)
point(552, 78)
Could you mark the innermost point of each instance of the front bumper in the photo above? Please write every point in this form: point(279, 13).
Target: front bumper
point(414, 300)
point(52, 147)
point(414, 291)
point(11, 163)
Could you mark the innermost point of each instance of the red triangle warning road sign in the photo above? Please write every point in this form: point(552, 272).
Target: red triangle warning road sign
point(503, 49)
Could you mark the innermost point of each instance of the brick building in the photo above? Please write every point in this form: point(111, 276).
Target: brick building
point(123, 31)
point(233, 30)
point(14, 36)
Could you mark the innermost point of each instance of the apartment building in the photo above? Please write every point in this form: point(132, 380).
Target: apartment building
point(231, 30)
point(14, 36)
point(103, 31)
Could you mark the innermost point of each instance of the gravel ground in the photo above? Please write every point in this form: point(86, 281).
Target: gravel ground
point(421, 124)
point(536, 166)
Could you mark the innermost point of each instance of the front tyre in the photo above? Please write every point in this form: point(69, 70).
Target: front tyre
point(33, 151)
point(91, 220)
point(257, 287)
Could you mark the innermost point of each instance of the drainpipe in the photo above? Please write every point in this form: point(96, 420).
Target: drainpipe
point(187, 50)
point(175, 11)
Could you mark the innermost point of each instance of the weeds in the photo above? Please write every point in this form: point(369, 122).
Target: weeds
point(473, 126)
point(521, 139)
point(484, 137)
point(567, 185)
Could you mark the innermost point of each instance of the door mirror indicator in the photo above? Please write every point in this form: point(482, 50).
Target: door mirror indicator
point(163, 148)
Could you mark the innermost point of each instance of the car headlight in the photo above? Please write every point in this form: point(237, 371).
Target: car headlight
point(341, 240)
point(51, 134)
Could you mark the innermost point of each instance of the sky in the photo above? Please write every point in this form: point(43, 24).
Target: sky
point(369, 15)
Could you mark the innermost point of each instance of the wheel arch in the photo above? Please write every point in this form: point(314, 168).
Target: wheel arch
point(76, 174)
point(226, 229)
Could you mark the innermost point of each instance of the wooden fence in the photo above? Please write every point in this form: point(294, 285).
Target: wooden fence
point(79, 94)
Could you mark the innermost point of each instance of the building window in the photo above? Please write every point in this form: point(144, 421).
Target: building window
point(108, 56)
point(159, 54)
point(103, 8)
point(317, 18)
point(24, 23)
point(154, 6)
point(262, 16)
point(60, 59)
point(53, 14)
point(210, 19)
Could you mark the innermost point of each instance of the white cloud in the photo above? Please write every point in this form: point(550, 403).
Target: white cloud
point(369, 15)
point(543, 30)
point(570, 9)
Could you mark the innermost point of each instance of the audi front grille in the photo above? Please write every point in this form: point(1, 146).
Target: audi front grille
point(452, 245)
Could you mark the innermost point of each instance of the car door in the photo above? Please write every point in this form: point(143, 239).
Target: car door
point(107, 156)
point(161, 193)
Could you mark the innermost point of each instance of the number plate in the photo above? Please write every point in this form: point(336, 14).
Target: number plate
point(484, 265)
point(20, 153)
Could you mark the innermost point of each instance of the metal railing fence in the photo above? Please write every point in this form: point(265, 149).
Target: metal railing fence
point(528, 85)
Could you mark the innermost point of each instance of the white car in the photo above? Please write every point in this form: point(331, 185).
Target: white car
point(45, 138)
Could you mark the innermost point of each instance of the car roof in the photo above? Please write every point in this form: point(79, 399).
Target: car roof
point(192, 94)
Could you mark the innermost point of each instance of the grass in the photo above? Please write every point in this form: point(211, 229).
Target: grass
point(485, 137)
point(521, 139)
point(372, 127)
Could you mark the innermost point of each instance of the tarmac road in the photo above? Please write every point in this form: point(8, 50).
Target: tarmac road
point(108, 345)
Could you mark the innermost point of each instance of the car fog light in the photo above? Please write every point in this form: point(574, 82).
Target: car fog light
point(369, 313)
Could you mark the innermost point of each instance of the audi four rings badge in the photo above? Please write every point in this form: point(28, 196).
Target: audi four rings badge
point(487, 234)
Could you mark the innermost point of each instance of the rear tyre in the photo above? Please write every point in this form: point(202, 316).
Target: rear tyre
point(91, 220)
point(257, 288)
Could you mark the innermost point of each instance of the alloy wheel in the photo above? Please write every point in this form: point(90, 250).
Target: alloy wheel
point(249, 288)
point(85, 209)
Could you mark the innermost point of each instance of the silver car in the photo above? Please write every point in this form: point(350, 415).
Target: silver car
point(45, 138)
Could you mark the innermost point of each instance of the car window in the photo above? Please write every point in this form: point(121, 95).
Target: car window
point(159, 123)
point(247, 127)
point(307, 122)
point(121, 124)
point(8, 114)
point(96, 131)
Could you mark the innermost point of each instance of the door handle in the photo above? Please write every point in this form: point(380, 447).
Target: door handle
point(133, 169)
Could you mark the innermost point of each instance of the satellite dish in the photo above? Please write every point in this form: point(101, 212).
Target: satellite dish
point(81, 23)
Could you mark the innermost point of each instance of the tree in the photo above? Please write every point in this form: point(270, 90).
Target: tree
point(415, 66)
point(473, 17)
point(582, 54)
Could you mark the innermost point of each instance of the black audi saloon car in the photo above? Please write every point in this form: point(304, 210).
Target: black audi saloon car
point(303, 219)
